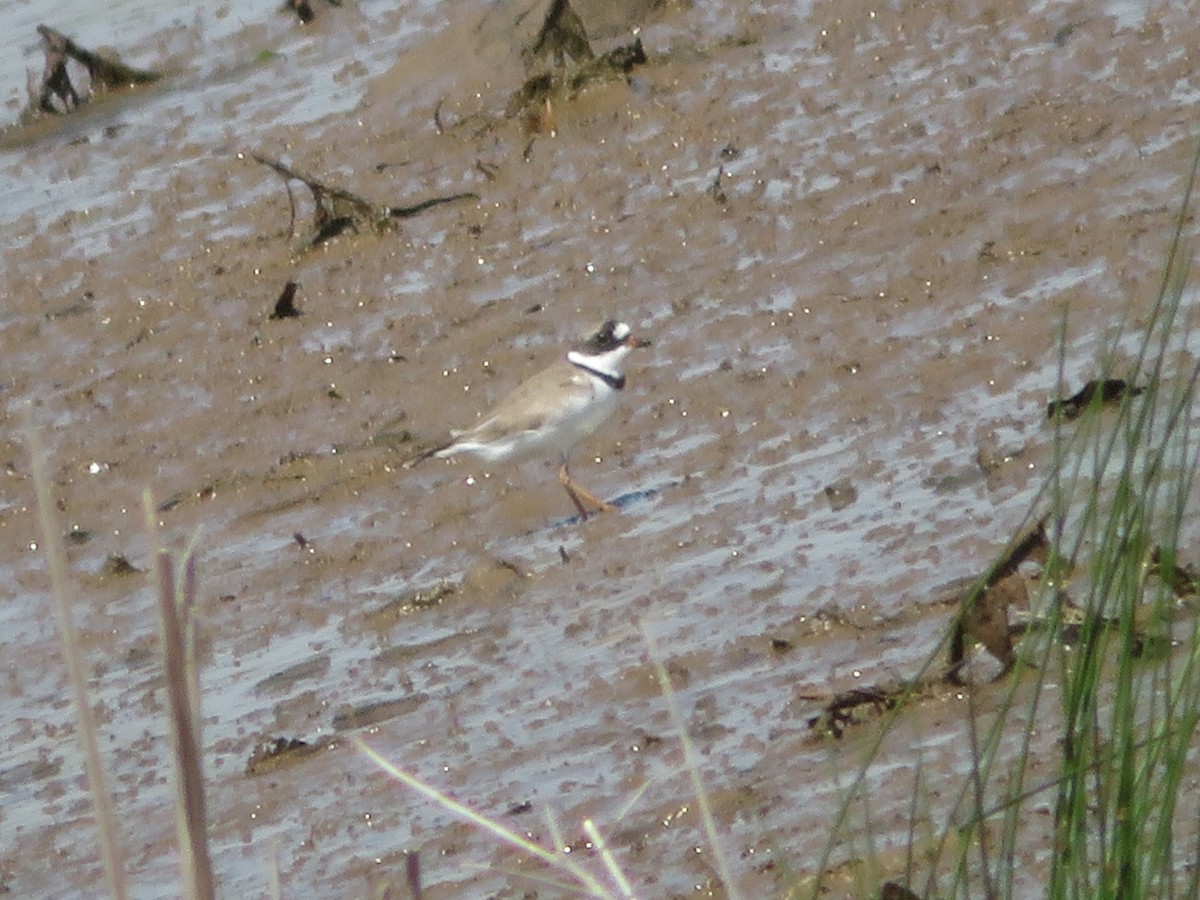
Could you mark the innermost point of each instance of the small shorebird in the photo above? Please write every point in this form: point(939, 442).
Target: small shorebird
point(553, 410)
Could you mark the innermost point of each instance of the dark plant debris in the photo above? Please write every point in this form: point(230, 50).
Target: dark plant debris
point(1181, 579)
point(57, 93)
point(337, 210)
point(273, 754)
point(285, 306)
point(1109, 390)
point(857, 705)
point(304, 11)
point(983, 618)
point(562, 34)
point(716, 190)
point(840, 494)
point(1033, 546)
point(984, 612)
point(393, 611)
point(78, 536)
point(1064, 34)
point(541, 90)
point(119, 565)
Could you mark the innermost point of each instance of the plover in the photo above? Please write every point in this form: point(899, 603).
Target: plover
point(553, 410)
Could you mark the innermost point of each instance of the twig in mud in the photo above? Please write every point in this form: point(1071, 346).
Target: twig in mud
point(58, 94)
point(487, 170)
point(337, 210)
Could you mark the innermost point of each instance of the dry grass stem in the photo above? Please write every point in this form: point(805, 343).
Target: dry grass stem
point(106, 824)
point(176, 602)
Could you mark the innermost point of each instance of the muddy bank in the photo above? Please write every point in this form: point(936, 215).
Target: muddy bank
point(852, 234)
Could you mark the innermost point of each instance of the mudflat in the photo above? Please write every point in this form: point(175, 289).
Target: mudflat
point(858, 237)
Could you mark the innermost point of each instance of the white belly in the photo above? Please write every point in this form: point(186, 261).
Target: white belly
point(544, 417)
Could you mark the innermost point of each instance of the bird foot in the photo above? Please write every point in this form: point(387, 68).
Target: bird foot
point(579, 495)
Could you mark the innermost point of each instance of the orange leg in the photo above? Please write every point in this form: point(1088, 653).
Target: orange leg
point(579, 494)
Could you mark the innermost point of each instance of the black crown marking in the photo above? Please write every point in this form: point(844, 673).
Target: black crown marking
point(605, 339)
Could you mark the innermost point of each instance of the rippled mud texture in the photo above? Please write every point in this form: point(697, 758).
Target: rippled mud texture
point(852, 232)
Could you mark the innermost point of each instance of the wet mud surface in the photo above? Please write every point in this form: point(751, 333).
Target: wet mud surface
point(853, 234)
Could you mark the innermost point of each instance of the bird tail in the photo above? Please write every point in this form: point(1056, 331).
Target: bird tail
point(425, 454)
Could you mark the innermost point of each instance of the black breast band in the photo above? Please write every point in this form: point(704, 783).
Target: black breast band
point(616, 382)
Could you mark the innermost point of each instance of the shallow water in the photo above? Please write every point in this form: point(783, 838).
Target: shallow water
point(912, 199)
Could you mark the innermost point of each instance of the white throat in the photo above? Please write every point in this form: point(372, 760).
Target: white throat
point(609, 366)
